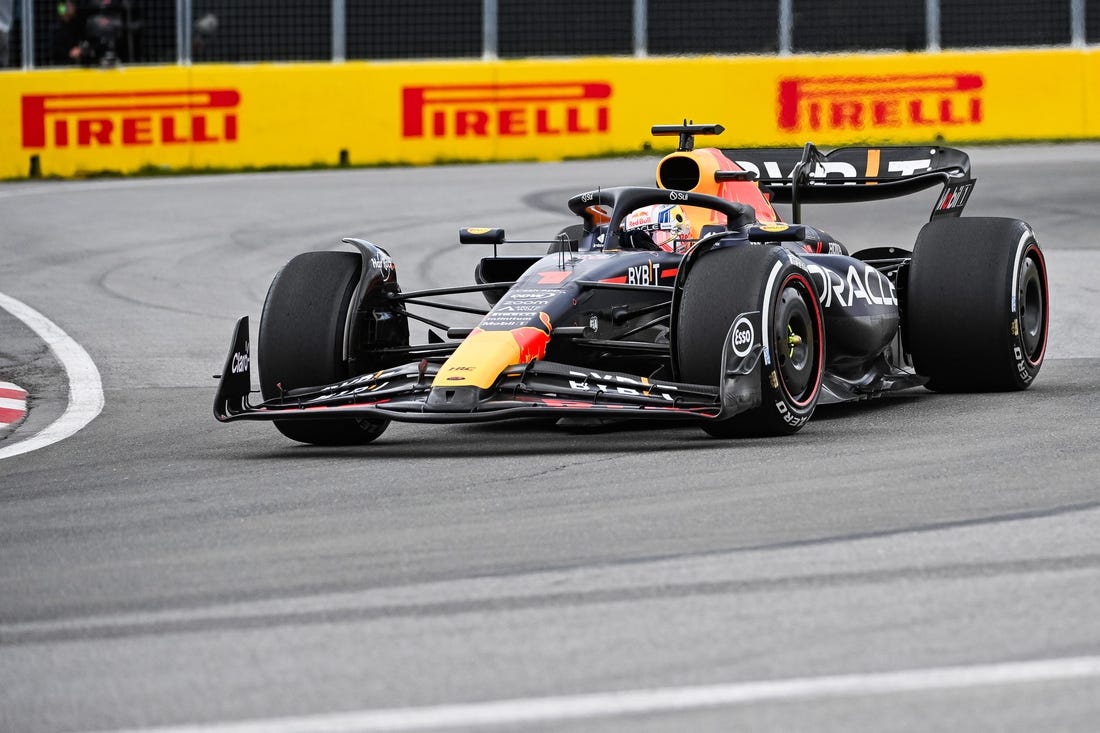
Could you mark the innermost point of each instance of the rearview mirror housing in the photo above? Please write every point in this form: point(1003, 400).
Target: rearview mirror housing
point(777, 232)
point(481, 235)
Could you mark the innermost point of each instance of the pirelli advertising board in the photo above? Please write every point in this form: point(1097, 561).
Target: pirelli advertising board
point(218, 116)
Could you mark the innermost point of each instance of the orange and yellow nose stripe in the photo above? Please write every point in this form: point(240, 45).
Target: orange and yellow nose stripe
point(483, 355)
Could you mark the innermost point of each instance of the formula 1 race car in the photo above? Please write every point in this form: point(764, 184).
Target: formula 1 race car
point(688, 301)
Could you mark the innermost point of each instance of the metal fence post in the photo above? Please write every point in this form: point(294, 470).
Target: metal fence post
point(28, 33)
point(183, 32)
point(179, 31)
point(786, 27)
point(339, 31)
point(1077, 23)
point(641, 29)
point(931, 25)
point(188, 26)
point(489, 21)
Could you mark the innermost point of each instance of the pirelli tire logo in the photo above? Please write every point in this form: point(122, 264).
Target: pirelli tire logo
point(130, 119)
point(880, 102)
point(536, 109)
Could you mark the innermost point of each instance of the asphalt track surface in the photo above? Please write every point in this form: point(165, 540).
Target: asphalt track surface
point(920, 562)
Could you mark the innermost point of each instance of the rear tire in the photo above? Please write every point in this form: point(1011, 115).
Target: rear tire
point(977, 305)
point(732, 280)
point(301, 341)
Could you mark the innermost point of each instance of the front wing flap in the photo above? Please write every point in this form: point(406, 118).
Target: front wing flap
point(537, 389)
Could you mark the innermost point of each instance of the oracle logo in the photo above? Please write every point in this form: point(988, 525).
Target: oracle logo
point(134, 118)
point(868, 102)
point(506, 110)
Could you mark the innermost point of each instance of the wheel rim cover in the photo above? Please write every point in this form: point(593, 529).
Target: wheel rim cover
point(794, 342)
point(1032, 307)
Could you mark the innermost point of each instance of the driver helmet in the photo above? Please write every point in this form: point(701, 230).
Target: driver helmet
point(667, 224)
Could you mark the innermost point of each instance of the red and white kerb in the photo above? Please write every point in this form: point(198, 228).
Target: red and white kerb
point(13, 404)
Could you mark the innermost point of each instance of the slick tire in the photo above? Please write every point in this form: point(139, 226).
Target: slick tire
point(301, 341)
point(728, 281)
point(976, 310)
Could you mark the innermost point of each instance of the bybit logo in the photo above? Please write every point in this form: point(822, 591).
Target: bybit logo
point(107, 119)
point(506, 110)
point(867, 102)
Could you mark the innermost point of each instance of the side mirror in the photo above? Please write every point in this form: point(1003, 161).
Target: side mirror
point(777, 232)
point(480, 235)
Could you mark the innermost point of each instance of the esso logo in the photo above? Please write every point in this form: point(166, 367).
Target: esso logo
point(743, 336)
point(677, 196)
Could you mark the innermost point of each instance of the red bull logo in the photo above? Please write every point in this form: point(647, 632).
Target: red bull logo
point(125, 119)
point(506, 110)
point(869, 102)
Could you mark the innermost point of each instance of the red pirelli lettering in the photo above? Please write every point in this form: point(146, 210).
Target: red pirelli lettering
point(508, 110)
point(852, 103)
point(130, 118)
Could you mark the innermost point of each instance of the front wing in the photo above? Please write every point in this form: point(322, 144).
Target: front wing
point(537, 389)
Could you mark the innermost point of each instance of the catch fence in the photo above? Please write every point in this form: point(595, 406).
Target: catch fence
point(48, 33)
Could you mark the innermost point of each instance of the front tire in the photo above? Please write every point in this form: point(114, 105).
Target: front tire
point(977, 305)
point(301, 341)
point(732, 280)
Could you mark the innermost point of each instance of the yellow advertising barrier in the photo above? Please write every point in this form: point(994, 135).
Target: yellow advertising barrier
point(1090, 102)
point(69, 122)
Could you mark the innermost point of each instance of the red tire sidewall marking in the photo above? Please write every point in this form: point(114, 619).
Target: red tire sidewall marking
point(808, 295)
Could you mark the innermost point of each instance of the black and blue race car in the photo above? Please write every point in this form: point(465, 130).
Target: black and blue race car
point(691, 300)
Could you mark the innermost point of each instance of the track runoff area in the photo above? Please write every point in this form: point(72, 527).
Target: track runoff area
point(85, 403)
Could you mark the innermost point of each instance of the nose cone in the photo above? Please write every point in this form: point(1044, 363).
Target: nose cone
point(483, 355)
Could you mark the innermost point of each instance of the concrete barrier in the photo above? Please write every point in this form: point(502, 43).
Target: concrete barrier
point(79, 121)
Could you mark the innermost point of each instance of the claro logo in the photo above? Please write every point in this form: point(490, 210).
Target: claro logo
point(109, 119)
point(862, 102)
point(506, 110)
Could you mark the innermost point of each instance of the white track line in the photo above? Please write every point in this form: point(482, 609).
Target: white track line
point(529, 711)
point(85, 387)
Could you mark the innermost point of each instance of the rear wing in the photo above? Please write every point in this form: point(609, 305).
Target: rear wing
point(809, 176)
point(844, 175)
